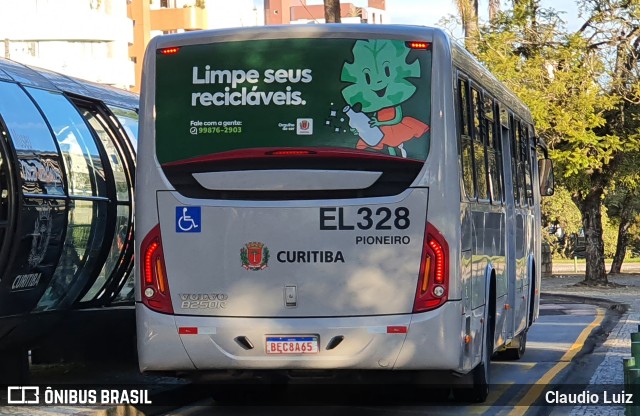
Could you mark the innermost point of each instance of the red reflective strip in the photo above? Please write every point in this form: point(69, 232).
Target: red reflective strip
point(290, 152)
point(396, 330)
point(188, 330)
point(262, 152)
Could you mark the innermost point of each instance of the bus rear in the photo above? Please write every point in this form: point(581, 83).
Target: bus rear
point(282, 204)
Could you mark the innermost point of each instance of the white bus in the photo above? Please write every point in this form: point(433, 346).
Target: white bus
point(333, 197)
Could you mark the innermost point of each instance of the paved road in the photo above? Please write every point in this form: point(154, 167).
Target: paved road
point(555, 342)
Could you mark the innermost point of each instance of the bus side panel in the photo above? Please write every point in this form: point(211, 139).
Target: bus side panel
point(159, 345)
point(424, 350)
point(536, 230)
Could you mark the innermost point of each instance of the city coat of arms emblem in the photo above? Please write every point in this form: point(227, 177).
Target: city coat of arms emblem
point(254, 256)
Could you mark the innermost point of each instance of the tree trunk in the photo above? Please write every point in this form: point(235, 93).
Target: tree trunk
point(621, 247)
point(494, 9)
point(591, 209)
point(472, 31)
point(332, 11)
point(468, 12)
point(626, 218)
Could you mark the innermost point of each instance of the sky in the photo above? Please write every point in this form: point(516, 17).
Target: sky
point(430, 12)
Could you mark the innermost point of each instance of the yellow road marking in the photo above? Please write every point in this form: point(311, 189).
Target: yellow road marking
point(538, 388)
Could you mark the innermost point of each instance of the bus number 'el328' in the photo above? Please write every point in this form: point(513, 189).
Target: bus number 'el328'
point(382, 218)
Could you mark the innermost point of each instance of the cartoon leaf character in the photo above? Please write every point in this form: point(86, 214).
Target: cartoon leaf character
point(379, 75)
point(379, 84)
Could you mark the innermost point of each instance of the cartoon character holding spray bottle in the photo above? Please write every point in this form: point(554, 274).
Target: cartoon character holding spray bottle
point(379, 85)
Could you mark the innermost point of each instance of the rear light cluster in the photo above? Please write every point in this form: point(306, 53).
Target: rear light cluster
point(154, 287)
point(433, 281)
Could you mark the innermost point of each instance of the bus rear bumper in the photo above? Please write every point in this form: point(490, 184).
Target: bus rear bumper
point(425, 341)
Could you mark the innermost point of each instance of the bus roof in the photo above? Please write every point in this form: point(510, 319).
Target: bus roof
point(296, 31)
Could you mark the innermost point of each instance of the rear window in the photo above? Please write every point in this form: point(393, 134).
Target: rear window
point(366, 94)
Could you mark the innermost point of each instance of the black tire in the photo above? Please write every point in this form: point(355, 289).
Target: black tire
point(532, 296)
point(517, 353)
point(14, 367)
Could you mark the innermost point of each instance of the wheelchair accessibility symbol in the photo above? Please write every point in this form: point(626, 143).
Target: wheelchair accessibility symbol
point(188, 220)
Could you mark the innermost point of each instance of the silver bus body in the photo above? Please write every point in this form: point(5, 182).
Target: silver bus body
point(324, 278)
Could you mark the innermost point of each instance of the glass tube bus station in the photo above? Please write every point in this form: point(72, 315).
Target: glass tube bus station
point(67, 154)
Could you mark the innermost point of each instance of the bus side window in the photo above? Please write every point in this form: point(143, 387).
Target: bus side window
point(525, 165)
point(504, 138)
point(515, 170)
point(466, 149)
point(479, 146)
point(494, 155)
point(529, 142)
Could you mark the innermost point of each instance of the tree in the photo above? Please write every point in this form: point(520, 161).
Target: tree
point(494, 9)
point(623, 205)
point(613, 32)
point(468, 12)
point(579, 87)
point(625, 212)
point(332, 11)
point(560, 211)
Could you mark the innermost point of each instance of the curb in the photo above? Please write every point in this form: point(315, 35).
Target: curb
point(622, 308)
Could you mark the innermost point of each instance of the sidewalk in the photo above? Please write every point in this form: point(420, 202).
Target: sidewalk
point(618, 343)
point(579, 267)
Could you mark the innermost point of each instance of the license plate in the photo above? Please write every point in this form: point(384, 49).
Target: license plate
point(292, 345)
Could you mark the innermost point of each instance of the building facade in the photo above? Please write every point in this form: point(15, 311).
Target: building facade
point(104, 40)
point(87, 39)
point(278, 12)
point(156, 17)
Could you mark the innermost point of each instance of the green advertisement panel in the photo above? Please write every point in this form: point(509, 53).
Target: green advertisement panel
point(293, 93)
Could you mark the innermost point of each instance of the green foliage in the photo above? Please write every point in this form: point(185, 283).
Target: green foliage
point(583, 89)
point(557, 76)
point(561, 210)
point(609, 235)
point(634, 235)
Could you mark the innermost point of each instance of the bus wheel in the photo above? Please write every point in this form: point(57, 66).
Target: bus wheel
point(515, 353)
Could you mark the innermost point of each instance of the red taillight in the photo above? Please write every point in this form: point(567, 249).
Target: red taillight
point(169, 51)
point(418, 45)
point(154, 287)
point(439, 263)
point(433, 281)
point(148, 262)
